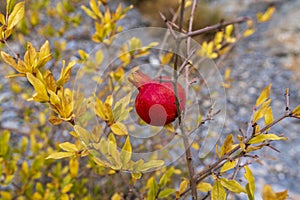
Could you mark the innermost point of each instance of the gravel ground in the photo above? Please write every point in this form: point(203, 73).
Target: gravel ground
point(270, 55)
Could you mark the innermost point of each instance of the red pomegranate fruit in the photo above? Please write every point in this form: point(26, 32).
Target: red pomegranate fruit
point(156, 100)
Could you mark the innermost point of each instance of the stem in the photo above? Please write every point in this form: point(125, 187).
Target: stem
point(219, 163)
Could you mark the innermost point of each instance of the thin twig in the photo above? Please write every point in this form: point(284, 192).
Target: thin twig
point(215, 27)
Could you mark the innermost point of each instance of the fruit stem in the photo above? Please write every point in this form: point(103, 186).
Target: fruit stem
point(138, 79)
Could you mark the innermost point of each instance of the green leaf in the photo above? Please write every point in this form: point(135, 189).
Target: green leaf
point(218, 191)
point(152, 164)
point(59, 155)
point(126, 152)
point(228, 166)
point(250, 187)
point(232, 185)
point(204, 187)
point(67, 146)
point(264, 95)
point(166, 192)
point(16, 15)
point(119, 128)
point(41, 94)
point(262, 137)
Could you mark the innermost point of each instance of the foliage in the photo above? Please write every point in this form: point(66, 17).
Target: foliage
point(37, 165)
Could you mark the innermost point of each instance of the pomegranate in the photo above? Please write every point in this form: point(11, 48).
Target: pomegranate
point(156, 101)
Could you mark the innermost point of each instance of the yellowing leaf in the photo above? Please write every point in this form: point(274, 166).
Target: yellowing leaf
point(67, 146)
point(152, 164)
point(269, 194)
point(218, 191)
point(59, 155)
point(65, 73)
point(264, 95)
point(119, 128)
point(228, 166)
point(232, 185)
point(41, 94)
point(153, 188)
point(126, 152)
point(204, 187)
point(262, 17)
point(16, 15)
point(165, 193)
point(183, 185)
point(83, 134)
point(262, 137)
point(250, 187)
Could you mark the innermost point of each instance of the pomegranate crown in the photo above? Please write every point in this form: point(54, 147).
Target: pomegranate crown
point(138, 78)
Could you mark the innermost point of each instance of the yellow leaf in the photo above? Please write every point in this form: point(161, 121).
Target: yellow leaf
point(100, 109)
point(83, 134)
point(67, 146)
point(166, 58)
point(2, 19)
point(16, 15)
point(262, 17)
point(204, 187)
point(269, 116)
point(67, 188)
point(44, 54)
point(41, 94)
point(25, 168)
point(248, 32)
point(50, 81)
point(228, 166)
point(6, 195)
point(74, 166)
point(261, 111)
point(11, 61)
point(99, 57)
point(227, 146)
point(169, 127)
point(195, 146)
point(264, 95)
point(262, 137)
point(296, 111)
point(218, 191)
point(65, 73)
point(232, 185)
point(250, 187)
point(119, 128)
point(217, 151)
point(59, 155)
point(55, 120)
point(116, 196)
point(183, 185)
